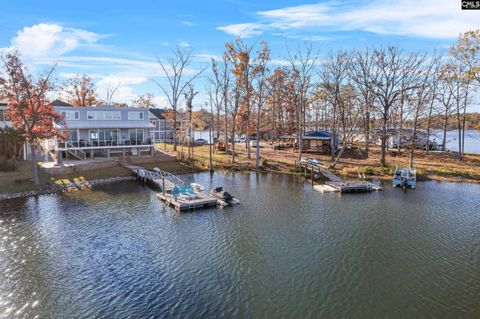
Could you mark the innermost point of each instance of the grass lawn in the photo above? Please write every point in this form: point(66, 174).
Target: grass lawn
point(432, 166)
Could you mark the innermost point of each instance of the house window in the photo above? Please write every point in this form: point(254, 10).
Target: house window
point(72, 135)
point(136, 116)
point(3, 116)
point(136, 134)
point(104, 135)
point(71, 115)
point(104, 115)
point(94, 135)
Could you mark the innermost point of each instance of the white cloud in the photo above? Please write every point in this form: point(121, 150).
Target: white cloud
point(50, 41)
point(183, 43)
point(244, 30)
point(160, 101)
point(189, 23)
point(122, 85)
point(115, 80)
point(207, 57)
point(441, 19)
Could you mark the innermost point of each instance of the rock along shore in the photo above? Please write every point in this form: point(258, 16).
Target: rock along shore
point(73, 186)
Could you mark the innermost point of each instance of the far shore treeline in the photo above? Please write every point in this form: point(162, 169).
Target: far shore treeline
point(374, 89)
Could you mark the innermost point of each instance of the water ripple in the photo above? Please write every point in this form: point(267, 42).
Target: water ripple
point(286, 251)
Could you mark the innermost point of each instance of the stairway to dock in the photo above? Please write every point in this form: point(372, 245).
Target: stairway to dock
point(336, 183)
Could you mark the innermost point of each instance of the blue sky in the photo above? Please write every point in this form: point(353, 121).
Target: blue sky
point(117, 42)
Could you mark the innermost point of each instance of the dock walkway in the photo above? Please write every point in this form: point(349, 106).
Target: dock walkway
point(167, 182)
point(336, 183)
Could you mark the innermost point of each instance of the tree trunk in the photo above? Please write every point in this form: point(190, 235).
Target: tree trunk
point(384, 141)
point(367, 131)
point(175, 128)
point(445, 128)
point(464, 120)
point(257, 151)
point(399, 146)
point(233, 141)
point(429, 122)
point(36, 180)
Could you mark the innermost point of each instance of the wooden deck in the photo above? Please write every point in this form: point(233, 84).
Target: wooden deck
point(203, 201)
point(336, 183)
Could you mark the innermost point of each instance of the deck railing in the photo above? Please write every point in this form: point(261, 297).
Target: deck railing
point(105, 143)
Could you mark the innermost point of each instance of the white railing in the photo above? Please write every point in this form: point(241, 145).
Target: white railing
point(65, 145)
point(170, 179)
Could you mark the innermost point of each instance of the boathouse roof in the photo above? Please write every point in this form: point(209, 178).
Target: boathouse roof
point(317, 135)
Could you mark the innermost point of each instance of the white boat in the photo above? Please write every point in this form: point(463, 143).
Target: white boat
point(405, 177)
point(197, 187)
point(224, 198)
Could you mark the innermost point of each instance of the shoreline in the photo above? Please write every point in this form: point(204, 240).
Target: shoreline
point(444, 168)
point(89, 184)
point(434, 166)
point(66, 188)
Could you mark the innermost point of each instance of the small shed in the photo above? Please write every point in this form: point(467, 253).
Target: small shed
point(319, 142)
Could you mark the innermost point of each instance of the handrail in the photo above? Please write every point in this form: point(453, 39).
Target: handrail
point(154, 175)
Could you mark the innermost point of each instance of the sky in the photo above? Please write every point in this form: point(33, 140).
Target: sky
point(119, 42)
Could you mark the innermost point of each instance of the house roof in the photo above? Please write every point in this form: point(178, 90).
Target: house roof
point(106, 124)
point(317, 135)
point(287, 137)
point(58, 102)
point(158, 113)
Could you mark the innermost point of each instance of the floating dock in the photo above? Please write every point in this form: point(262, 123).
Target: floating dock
point(336, 183)
point(347, 187)
point(166, 182)
point(202, 201)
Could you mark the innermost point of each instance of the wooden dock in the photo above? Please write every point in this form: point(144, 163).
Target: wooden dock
point(336, 183)
point(318, 169)
point(202, 201)
point(166, 182)
point(354, 187)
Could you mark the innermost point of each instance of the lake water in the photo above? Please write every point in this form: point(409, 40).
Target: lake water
point(472, 140)
point(286, 251)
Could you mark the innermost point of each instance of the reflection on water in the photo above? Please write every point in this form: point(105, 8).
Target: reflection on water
point(286, 251)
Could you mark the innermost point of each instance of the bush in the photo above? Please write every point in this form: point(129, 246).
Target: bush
point(367, 170)
point(347, 171)
point(263, 162)
point(388, 170)
point(294, 170)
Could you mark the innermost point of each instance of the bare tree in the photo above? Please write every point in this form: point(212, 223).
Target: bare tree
point(260, 69)
point(145, 100)
point(446, 96)
point(175, 70)
point(217, 96)
point(302, 63)
point(424, 93)
point(392, 74)
point(110, 92)
point(189, 94)
point(334, 77)
point(361, 74)
point(435, 82)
